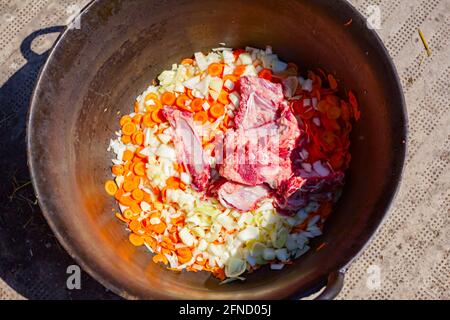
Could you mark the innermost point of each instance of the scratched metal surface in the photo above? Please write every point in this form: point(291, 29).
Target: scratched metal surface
point(411, 252)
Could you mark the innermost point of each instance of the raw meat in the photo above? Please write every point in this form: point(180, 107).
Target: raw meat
point(260, 101)
point(189, 147)
point(259, 149)
point(305, 187)
point(240, 197)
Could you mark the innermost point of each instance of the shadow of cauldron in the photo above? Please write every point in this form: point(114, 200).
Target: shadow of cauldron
point(31, 260)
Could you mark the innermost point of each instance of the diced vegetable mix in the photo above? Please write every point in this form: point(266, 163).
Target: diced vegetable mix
point(184, 228)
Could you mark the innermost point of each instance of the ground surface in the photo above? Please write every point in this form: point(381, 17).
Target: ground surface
point(411, 253)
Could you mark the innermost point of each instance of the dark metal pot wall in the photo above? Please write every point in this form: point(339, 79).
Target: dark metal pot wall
point(98, 70)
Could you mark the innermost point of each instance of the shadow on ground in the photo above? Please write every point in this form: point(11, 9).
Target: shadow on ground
point(32, 261)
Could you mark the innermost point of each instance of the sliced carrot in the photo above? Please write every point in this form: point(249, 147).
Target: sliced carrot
point(333, 100)
point(151, 242)
point(173, 183)
point(239, 71)
point(111, 187)
point(323, 106)
point(197, 104)
point(215, 69)
point(128, 214)
point(136, 240)
point(117, 169)
point(159, 228)
point(126, 200)
point(201, 117)
point(181, 101)
point(151, 96)
point(168, 98)
point(138, 138)
point(332, 81)
point(333, 113)
point(127, 155)
point(329, 138)
point(119, 194)
point(135, 225)
point(147, 197)
point(129, 186)
point(160, 258)
point(184, 255)
point(137, 119)
point(137, 194)
point(129, 128)
point(355, 106)
point(158, 116)
point(147, 120)
point(124, 120)
point(223, 97)
point(121, 217)
point(125, 139)
point(266, 74)
point(158, 105)
point(136, 107)
point(217, 110)
point(139, 169)
point(187, 61)
point(135, 207)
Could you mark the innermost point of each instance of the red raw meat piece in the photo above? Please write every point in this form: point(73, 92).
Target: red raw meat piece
point(240, 197)
point(260, 101)
point(188, 147)
point(303, 188)
point(258, 150)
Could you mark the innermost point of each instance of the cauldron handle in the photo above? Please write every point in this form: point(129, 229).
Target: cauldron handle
point(25, 47)
point(334, 286)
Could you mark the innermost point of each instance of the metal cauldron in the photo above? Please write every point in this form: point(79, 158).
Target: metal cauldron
point(98, 70)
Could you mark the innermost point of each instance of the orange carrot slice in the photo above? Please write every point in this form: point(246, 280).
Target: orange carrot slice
point(139, 169)
point(168, 98)
point(217, 110)
point(181, 101)
point(187, 61)
point(138, 138)
point(201, 117)
point(136, 240)
point(173, 183)
point(215, 69)
point(157, 116)
point(332, 81)
point(125, 139)
point(129, 128)
point(127, 155)
point(111, 187)
point(117, 169)
point(333, 113)
point(223, 97)
point(239, 71)
point(147, 120)
point(160, 258)
point(137, 194)
point(197, 104)
point(124, 120)
point(128, 214)
point(137, 119)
